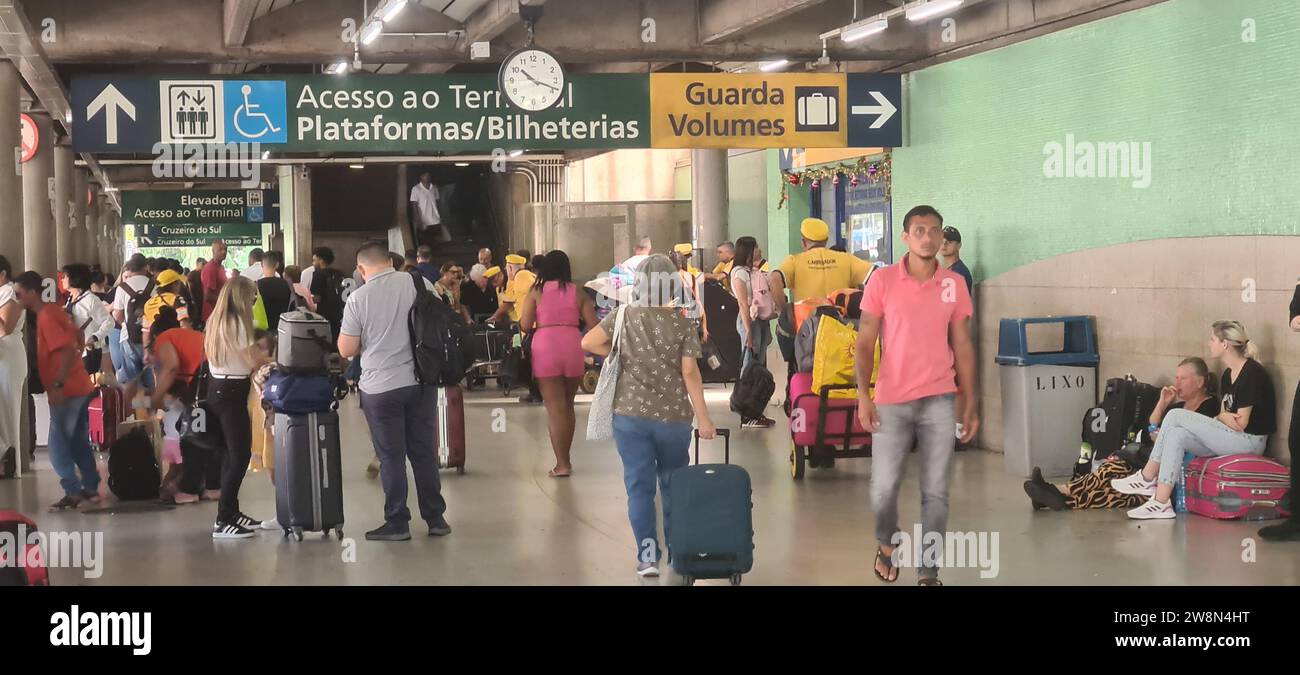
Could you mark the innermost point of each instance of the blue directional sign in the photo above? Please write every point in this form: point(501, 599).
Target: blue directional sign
point(875, 110)
point(114, 114)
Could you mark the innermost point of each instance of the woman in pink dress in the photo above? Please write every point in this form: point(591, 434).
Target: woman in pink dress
point(551, 313)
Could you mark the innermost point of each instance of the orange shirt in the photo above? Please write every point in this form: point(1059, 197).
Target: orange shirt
point(188, 344)
point(54, 331)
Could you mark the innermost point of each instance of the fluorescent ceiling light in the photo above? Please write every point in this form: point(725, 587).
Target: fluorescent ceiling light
point(337, 68)
point(921, 12)
point(266, 154)
point(356, 166)
point(395, 7)
point(774, 65)
point(372, 31)
point(462, 163)
point(516, 153)
point(110, 189)
point(863, 29)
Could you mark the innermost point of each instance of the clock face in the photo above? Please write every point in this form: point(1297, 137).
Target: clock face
point(532, 79)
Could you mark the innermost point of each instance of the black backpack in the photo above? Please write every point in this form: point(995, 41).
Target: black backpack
point(133, 471)
point(134, 319)
point(1125, 408)
point(440, 341)
point(753, 390)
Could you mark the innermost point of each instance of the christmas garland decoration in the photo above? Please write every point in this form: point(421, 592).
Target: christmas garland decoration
point(860, 171)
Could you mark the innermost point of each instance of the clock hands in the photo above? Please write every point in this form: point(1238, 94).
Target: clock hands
point(537, 81)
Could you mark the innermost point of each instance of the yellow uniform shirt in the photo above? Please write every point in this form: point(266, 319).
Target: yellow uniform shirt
point(517, 290)
point(818, 272)
point(724, 268)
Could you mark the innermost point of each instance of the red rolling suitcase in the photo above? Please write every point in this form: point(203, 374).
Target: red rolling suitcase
point(106, 412)
point(450, 428)
point(28, 566)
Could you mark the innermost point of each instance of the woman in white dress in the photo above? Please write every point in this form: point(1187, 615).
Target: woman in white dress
point(13, 371)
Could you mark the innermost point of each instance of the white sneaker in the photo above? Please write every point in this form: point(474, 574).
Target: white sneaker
point(647, 570)
point(271, 525)
point(1153, 510)
point(1134, 485)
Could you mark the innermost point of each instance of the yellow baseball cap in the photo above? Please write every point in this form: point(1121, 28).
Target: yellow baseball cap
point(168, 277)
point(814, 229)
point(492, 272)
point(684, 249)
point(516, 259)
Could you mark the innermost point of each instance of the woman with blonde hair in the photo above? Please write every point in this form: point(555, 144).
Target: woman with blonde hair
point(1247, 417)
point(233, 357)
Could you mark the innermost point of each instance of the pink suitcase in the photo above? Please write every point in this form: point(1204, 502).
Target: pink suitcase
point(1236, 486)
point(106, 412)
point(806, 412)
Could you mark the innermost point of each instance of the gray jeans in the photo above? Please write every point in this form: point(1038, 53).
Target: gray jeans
point(1186, 431)
point(928, 424)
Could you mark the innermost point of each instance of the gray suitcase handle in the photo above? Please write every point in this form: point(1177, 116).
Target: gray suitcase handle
point(726, 436)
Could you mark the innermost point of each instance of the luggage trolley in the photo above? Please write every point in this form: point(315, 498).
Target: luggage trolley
point(821, 425)
point(490, 347)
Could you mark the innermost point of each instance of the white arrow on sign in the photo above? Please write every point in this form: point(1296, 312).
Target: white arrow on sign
point(113, 100)
point(885, 110)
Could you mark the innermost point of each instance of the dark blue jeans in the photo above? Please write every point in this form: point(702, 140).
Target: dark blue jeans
point(403, 425)
point(650, 450)
point(69, 445)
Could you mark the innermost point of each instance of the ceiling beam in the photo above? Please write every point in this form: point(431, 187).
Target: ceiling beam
point(236, 17)
point(484, 25)
point(725, 19)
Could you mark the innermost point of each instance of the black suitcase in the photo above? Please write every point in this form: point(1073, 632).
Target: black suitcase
point(308, 475)
point(711, 528)
point(1125, 409)
point(721, 310)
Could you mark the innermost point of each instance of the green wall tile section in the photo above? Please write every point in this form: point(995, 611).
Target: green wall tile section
point(747, 193)
point(1220, 115)
point(682, 182)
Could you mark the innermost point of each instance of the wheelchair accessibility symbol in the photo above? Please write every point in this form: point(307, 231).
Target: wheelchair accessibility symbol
point(256, 110)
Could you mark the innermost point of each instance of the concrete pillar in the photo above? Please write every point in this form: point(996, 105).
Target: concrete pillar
point(80, 235)
point(708, 203)
point(64, 169)
point(302, 227)
point(11, 184)
point(404, 209)
point(92, 233)
point(38, 218)
point(106, 233)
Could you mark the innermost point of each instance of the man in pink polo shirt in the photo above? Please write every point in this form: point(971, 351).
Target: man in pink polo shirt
point(926, 382)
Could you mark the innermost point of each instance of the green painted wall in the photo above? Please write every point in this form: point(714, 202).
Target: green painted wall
point(1219, 113)
point(747, 193)
point(682, 182)
point(782, 224)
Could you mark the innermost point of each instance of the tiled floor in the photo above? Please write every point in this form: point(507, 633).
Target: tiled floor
point(514, 525)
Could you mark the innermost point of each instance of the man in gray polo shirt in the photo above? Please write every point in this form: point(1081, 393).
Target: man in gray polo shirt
point(398, 408)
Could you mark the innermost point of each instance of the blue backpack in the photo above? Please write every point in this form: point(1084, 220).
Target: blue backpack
point(301, 394)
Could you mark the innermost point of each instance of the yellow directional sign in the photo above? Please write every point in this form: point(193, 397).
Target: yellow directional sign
point(723, 110)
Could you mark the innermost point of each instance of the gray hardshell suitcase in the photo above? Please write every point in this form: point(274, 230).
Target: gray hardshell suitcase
point(308, 475)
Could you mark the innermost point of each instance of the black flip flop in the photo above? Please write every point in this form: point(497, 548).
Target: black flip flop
point(881, 557)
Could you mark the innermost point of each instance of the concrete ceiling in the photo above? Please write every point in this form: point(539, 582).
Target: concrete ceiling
point(273, 34)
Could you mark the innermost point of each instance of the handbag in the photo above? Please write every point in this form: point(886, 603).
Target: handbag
point(199, 427)
point(600, 419)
